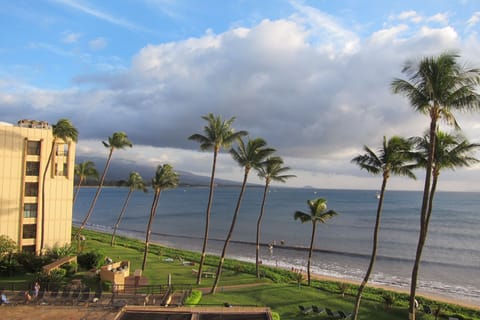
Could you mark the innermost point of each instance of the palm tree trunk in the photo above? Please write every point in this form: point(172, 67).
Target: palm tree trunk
point(230, 233)
point(310, 252)
point(423, 218)
point(149, 228)
point(44, 179)
point(207, 218)
point(259, 222)
point(97, 193)
point(78, 190)
point(112, 242)
point(373, 257)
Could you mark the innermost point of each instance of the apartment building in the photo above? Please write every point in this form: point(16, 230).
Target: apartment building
point(24, 152)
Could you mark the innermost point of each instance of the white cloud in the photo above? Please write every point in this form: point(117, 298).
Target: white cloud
point(474, 20)
point(97, 44)
point(71, 37)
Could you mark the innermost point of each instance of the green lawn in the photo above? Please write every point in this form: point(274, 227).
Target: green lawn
point(277, 290)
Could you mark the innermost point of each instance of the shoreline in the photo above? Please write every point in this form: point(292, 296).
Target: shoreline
point(316, 276)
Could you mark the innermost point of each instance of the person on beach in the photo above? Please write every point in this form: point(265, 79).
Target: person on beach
point(27, 297)
point(3, 297)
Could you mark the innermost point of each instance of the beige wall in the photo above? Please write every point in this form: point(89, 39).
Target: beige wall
point(13, 179)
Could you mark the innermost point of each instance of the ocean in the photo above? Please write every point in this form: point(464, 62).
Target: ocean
point(451, 259)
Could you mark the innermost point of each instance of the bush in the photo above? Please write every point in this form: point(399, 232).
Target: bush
point(90, 260)
point(275, 316)
point(194, 298)
point(70, 268)
point(32, 263)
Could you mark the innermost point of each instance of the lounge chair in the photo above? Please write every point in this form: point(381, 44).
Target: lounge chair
point(332, 314)
point(305, 310)
point(317, 309)
point(343, 315)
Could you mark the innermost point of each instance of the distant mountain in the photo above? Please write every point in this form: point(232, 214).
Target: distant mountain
point(119, 171)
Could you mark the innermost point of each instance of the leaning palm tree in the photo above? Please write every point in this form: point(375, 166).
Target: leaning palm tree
point(248, 156)
point(218, 134)
point(451, 151)
point(270, 170)
point(62, 131)
point(318, 213)
point(119, 140)
point(165, 178)
point(83, 171)
point(393, 158)
point(135, 182)
point(436, 86)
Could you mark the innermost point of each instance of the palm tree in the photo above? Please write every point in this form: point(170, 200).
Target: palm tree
point(62, 131)
point(270, 170)
point(393, 158)
point(318, 213)
point(165, 178)
point(247, 156)
point(119, 140)
point(436, 86)
point(83, 171)
point(218, 134)
point(135, 182)
point(451, 151)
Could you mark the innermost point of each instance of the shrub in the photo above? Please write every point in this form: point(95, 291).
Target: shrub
point(90, 260)
point(194, 297)
point(275, 316)
point(32, 263)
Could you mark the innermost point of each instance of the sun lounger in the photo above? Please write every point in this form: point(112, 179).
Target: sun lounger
point(331, 314)
point(343, 315)
point(304, 310)
point(317, 309)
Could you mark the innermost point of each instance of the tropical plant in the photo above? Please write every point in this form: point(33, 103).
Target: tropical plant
point(248, 156)
point(394, 157)
point(165, 178)
point(119, 140)
point(451, 151)
point(83, 171)
point(270, 170)
point(62, 131)
point(135, 182)
point(217, 134)
point(318, 213)
point(436, 86)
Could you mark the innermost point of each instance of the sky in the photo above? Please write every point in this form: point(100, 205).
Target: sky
point(312, 78)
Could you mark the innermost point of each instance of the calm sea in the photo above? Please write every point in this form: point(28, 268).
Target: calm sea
point(451, 259)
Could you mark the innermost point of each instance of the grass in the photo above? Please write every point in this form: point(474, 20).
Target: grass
point(278, 289)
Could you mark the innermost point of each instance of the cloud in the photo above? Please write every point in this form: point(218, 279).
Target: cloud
point(70, 37)
point(316, 99)
point(97, 44)
point(101, 15)
point(474, 20)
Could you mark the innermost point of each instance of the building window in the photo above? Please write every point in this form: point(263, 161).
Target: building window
point(62, 149)
point(32, 168)
point(29, 231)
point(30, 210)
point(31, 189)
point(65, 169)
point(28, 249)
point(33, 148)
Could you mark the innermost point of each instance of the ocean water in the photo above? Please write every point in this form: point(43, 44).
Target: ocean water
point(451, 258)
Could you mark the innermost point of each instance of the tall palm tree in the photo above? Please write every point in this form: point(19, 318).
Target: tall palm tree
point(318, 213)
point(393, 158)
point(270, 170)
point(135, 182)
point(119, 140)
point(165, 178)
point(83, 171)
point(217, 134)
point(451, 151)
point(436, 86)
point(62, 131)
point(248, 156)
